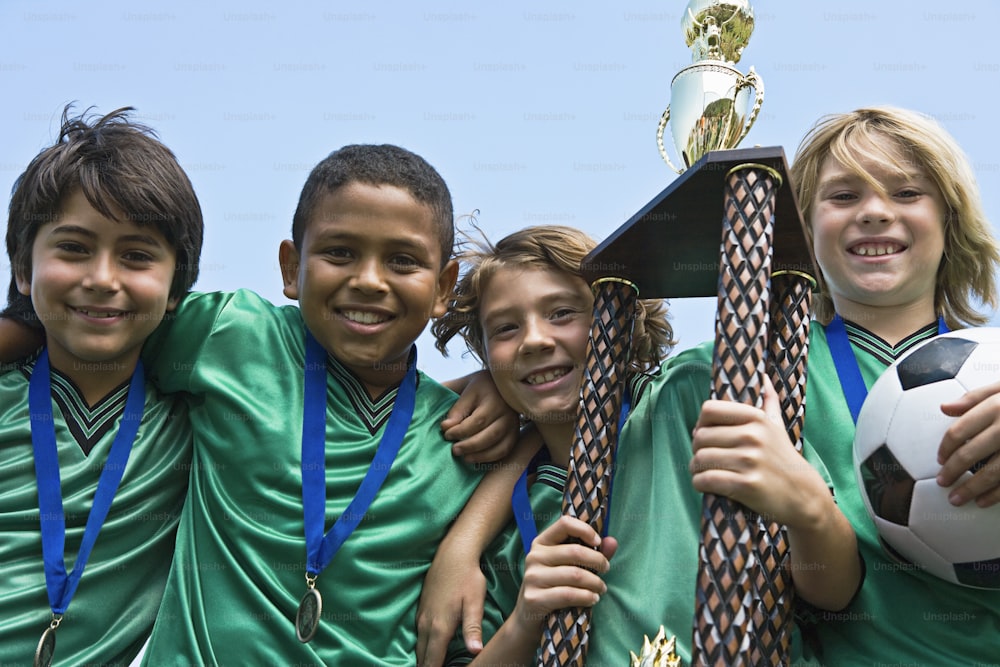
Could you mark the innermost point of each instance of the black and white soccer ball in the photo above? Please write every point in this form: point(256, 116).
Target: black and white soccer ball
point(898, 434)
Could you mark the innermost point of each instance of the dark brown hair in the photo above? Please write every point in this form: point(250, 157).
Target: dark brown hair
point(125, 173)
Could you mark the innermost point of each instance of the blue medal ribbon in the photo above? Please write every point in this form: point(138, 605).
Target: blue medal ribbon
point(851, 382)
point(320, 548)
point(60, 585)
point(521, 503)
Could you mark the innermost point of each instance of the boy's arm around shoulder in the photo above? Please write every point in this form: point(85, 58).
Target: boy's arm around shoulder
point(185, 345)
point(454, 588)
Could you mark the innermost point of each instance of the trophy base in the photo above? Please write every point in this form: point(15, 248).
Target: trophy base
point(682, 228)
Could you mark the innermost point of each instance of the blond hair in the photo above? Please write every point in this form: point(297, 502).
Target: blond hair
point(971, 254)
point(554, 248)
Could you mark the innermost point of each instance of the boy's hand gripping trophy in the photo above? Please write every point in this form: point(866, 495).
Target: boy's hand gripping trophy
point(744, 593)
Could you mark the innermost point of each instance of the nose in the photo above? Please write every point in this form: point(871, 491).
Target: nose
point(536, 336)
point(875, 207)
point(370, 276)
point(102, 274)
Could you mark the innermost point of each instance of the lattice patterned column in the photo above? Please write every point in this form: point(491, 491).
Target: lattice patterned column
point(565, 639)
point(727, 558)
point(788, 345)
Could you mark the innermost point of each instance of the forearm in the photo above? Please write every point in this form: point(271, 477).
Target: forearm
point(489, 508)
point(824, 559)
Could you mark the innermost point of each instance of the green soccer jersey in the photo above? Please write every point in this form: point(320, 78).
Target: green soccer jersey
point(901, 615)
point(112, 611)
point(654, 515)
point(239, 571)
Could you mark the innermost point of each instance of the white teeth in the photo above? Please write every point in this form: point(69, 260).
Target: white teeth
point(363, 317)
point(101, 315)
point(547, 376)
point(876, 249)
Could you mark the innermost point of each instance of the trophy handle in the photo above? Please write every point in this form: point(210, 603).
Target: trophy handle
point(753, 80)
point(659, 139)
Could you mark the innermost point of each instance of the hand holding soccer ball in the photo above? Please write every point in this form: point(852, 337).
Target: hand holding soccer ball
point(898, 435)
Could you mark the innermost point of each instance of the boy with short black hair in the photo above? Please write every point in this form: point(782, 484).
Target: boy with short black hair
point(104, 235)
point(257, 578)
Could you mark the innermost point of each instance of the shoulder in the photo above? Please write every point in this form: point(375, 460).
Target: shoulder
point(430, 389)
point(242, 313)
point(687, 373)
point(241, 300)
point(14, 391)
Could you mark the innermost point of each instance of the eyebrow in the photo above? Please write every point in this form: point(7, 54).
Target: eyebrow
point(129, 238)
point(547, 301)
point(414, 243)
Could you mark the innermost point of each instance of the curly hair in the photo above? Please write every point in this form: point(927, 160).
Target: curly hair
point(971, 254)
point(552, 247)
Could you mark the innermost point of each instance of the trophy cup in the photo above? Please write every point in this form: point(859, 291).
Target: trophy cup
point(710, 96)
point(761, 273)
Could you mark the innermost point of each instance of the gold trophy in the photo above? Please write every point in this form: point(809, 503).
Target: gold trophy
point(710, 97)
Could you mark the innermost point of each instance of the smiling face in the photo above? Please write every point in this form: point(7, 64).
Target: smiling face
point(536, 325)
point(368, 278)
point(879, 249)
point(99, 287)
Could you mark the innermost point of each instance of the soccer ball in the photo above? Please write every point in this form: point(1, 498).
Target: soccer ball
point(898, 434)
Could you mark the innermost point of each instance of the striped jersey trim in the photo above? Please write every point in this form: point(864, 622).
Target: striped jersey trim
point(871, 343)
point(552, 475)
point(87, 424)
point(374, 413)
point(637, 386)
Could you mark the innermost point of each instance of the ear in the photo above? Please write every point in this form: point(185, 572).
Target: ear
point(445, 285)
point(23, 283)
point(288, 261)
point(172, 303)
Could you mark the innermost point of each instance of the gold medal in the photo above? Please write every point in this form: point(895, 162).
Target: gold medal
point(47, 644)
point(308, 615)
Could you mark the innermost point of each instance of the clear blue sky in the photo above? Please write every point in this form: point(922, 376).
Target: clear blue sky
point(534, 112)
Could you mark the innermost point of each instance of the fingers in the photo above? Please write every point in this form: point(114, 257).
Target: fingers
point(983, 486)
point(480, 438)
point(970, 399)
point(472, 626)
point(560, 587)
point(609, 546)
point(487, 444)
point(724, 413)
point(433, 636)
point(972, 442)
point(720, 482)
point(772, 402)
point(564, 528)
point(989, 498)
point(421, 640)
point(965, 443)
point(972, 421)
